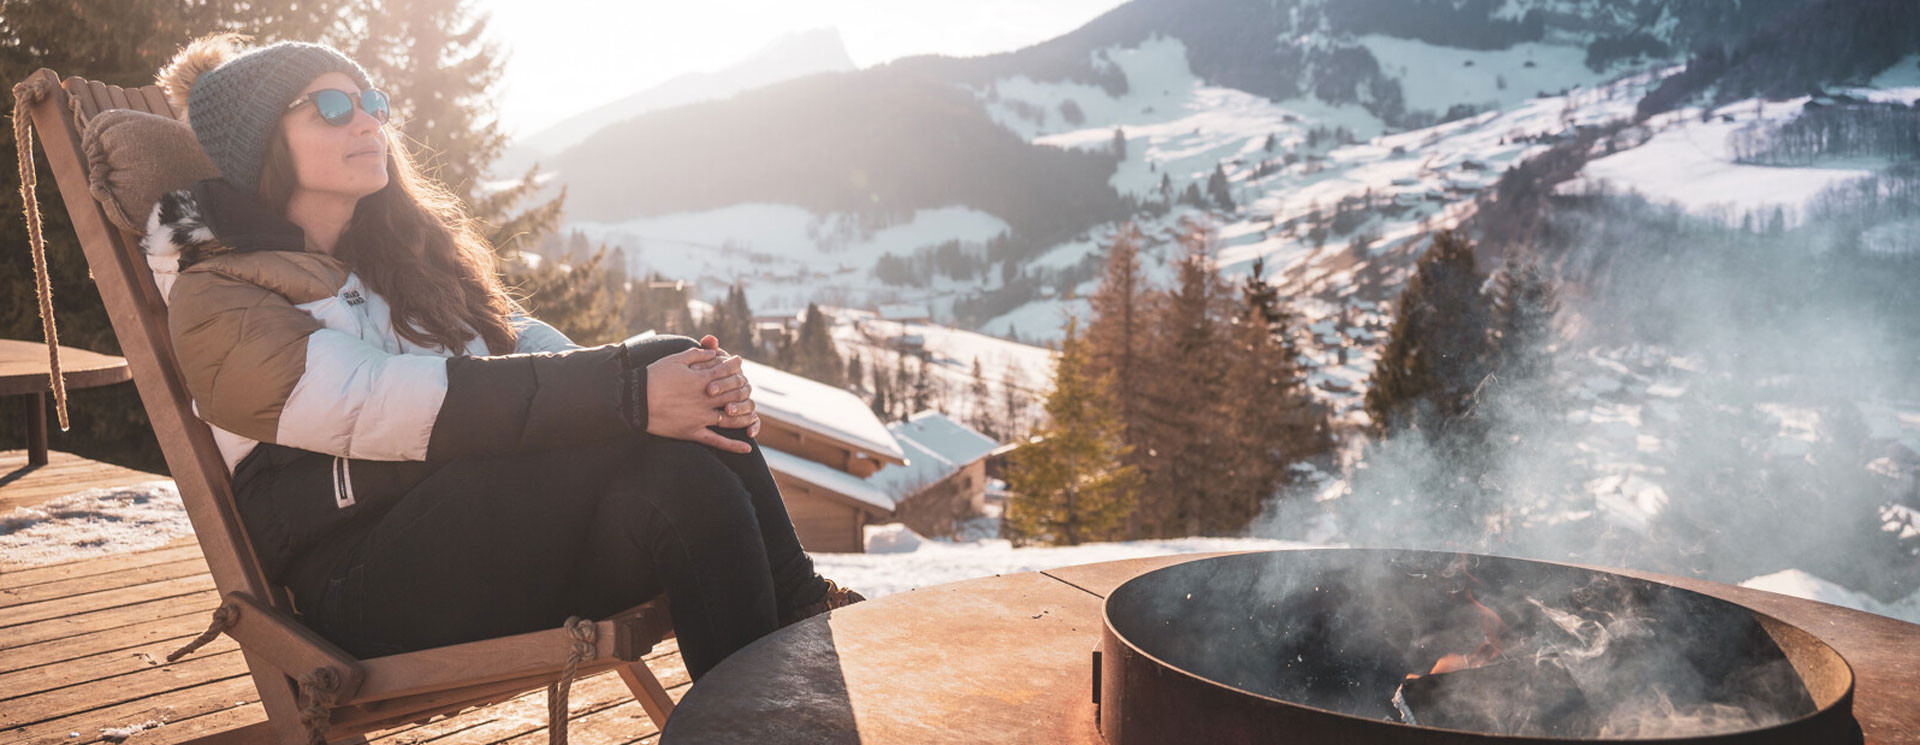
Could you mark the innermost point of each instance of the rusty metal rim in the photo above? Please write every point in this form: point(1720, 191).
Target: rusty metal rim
point(1821, 709)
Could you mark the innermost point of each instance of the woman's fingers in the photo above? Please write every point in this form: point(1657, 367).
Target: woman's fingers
point(720, 357)
point(722, 366)
point(753, 430)
point(740, 407)
point(696, 358)
point(719, 441)
point(728, 383)
point(742, 393)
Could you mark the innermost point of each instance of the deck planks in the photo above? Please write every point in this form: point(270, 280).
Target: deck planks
point(83, 646)
point(22, 485)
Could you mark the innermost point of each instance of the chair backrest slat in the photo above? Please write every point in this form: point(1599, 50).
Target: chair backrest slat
point(118, 97)
point(157, 101)
point(139, 316)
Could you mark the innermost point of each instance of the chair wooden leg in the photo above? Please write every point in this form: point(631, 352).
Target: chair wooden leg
point(653, 697)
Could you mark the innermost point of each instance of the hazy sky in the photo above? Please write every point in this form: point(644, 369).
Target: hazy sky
point(565, 56)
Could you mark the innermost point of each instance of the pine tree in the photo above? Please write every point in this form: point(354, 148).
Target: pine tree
point(1191, 197)
point(1274, 421)
point(1119, 143)
point(922, 396)
point(814, 354)
point(732, 324)
point(1273, 141)
point(1072, 484)
point(1218, 189)
point(881, 402)
point(902, 392)
point(1437, 354)
point(1117, 336)
point(575, 300)
point(980, 404)
point(1183, 401)
point(1013, 384)
point(1523, 309)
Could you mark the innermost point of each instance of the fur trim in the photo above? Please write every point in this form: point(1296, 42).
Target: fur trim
point(177, 229)
point(193, 60)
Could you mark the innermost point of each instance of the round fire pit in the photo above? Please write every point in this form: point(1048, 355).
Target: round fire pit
point(1387, 646)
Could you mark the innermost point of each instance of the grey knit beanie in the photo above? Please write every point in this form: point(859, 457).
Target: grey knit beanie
point(234, 107)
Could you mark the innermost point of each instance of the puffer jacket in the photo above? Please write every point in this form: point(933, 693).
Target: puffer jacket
point(279, 344)
point(290, 357)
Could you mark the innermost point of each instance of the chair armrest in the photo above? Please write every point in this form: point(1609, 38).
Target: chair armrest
point(289, 645)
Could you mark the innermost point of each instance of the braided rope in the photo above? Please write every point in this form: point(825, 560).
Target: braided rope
point(585, 633)
point(317, 689)
point(224, 617)
point(25, 94)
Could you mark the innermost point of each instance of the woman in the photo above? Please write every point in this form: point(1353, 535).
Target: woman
point(419, 461)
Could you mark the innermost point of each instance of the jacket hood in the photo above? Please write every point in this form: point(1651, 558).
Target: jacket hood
point(212, 218)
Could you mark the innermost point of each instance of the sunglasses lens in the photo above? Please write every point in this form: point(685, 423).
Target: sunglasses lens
point(334, 106)
point(376, 104)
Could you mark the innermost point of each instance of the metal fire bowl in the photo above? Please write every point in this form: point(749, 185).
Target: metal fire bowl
point(1155, 684)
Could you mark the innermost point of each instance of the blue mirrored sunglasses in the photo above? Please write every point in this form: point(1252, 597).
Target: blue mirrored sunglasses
point(336, 106)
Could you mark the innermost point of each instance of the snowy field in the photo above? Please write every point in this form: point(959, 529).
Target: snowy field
point(951, 353)
point(1690, 163)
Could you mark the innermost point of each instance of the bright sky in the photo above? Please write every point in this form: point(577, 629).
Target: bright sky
point(566, 56)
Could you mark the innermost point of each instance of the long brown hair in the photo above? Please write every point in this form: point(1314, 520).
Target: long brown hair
point(413, 243)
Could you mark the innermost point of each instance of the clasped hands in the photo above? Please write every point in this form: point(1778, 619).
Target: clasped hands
point(700, 388)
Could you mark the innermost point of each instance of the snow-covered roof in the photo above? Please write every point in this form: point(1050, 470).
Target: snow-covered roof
point(829, 478)
point(781, 396)
point(936, 447)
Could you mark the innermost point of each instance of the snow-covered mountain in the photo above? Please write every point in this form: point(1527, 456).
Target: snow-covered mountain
point(977, 184)
point(1722, 383)
point(790, 56)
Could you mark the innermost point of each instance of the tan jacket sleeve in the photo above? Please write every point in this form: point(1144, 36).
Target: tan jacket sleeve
point(242, 348)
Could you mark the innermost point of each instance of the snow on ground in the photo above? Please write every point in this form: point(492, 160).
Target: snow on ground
point(1040, 320)
point(899, 560)
point(786, 256)
point(1803, 585)
point(951, 352)
point(1691, 163)
point(1174, 123)
point(95, 522)
point(1433, 78)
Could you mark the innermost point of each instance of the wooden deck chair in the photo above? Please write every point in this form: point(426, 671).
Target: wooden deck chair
point(312, 690)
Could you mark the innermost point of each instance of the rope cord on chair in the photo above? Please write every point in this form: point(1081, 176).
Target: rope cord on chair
point(585, 633)
point(25, 93)
point(224, 617)
point(316, 693)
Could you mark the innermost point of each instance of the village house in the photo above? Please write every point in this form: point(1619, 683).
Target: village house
point(945, 480)
point(822, 443)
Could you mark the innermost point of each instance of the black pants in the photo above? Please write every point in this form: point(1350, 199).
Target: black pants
point(486, 547)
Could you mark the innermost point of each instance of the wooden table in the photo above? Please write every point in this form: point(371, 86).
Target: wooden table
point(1008, 659)
point(23, 372)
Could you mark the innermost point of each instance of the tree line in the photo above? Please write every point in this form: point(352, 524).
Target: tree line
point(1181, 411)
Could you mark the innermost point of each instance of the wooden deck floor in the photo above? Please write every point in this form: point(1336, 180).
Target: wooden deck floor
point(82, 646)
